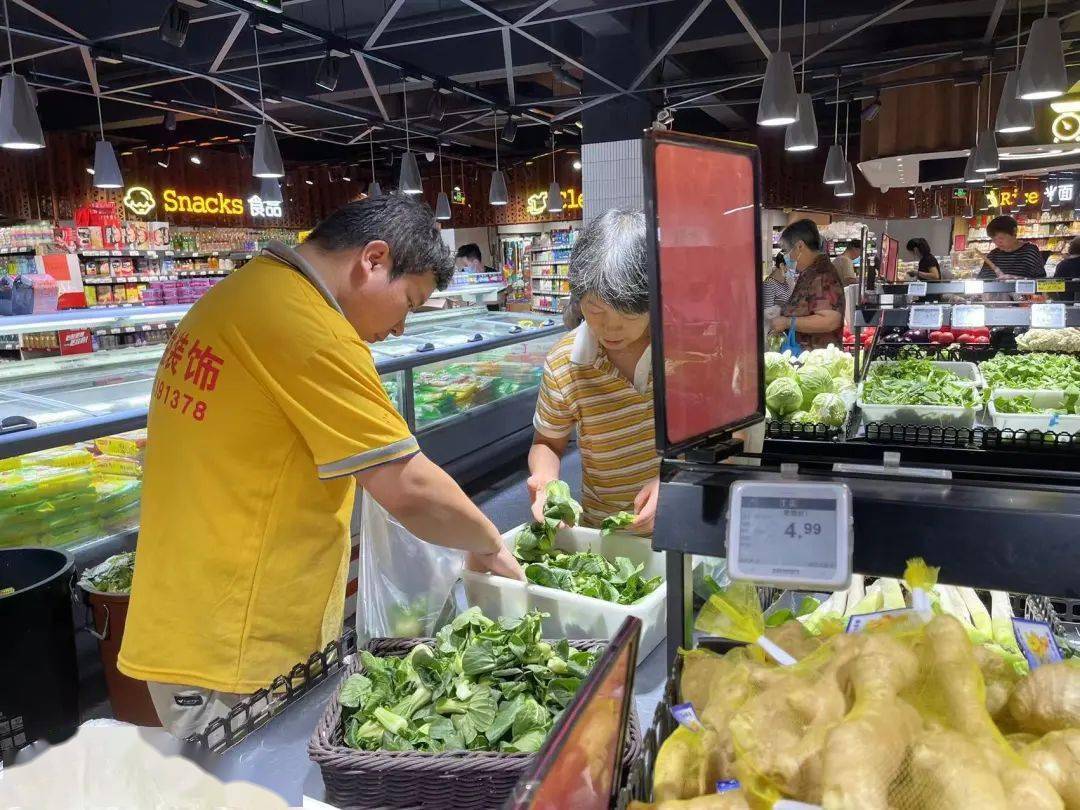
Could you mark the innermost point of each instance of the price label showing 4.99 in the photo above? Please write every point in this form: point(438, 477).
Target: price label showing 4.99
point(791, 534)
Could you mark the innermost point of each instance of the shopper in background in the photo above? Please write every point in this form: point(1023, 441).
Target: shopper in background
point(598, 379)
point(469, 258)
point(1069, 267)
point(928, 269)
point(1010, 257)
point(845, 262)
point(817, 302)
point(777, 286)
point(266, 413)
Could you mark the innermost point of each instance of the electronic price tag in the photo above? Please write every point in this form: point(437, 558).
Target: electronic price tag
point(792, 534)
point(1048, 316)
point(973, 286)
point(1025, 287)
point(925, 316)
point(966, 316)
point(916, 289)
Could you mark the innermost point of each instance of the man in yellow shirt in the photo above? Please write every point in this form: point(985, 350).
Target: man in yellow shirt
point(266, 413)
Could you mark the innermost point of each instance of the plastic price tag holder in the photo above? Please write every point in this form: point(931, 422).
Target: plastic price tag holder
point(1025, 287)
point(1050, 285)
point(966, 316)
point(1037, 642)
point(916, 289)
point(791, 534)
point(973, 286)
point(580, 763)
point(1048, 316)
point(926, 316)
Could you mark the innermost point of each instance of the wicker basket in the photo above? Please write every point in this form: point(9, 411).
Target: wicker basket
point(454, 779)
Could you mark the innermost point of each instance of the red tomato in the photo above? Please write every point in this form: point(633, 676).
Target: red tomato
point(965, 338)
point(982, 340)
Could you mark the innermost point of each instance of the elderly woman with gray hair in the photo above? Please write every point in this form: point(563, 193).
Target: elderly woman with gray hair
point(598, 379)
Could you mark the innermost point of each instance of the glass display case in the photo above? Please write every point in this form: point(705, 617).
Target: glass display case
point(72, 428)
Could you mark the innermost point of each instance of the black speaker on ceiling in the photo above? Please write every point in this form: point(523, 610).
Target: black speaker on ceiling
point(174, 25)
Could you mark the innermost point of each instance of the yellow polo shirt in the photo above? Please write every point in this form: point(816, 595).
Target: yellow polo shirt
point(265, 403)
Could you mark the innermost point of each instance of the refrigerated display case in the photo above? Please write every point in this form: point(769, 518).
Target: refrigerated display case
point(465, 381)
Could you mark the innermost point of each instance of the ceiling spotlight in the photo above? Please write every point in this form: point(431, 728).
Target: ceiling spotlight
point(509, 130)
point(327, 75)
point(309, 182)
point(90, 170)
point(169, 121)
point(429, 157)
point(345, 175)
point(174, 25)
point(871, 110)
point(577, 165)
point(163, 161)
point(196, 159)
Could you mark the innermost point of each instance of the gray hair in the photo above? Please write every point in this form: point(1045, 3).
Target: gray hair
point(407, 225)
point(608, 261)
point(801, 230)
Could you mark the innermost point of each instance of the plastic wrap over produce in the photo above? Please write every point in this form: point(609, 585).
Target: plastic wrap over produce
point(403, 581)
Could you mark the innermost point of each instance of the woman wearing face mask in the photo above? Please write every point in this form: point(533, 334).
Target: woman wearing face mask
point(817, 302)
point(776, 288)
point(598, 379)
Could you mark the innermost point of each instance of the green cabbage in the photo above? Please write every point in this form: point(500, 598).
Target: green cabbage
point(800, 417)
point(828, 409)
point(776, 366)
point(783, 396)
point(813, 380)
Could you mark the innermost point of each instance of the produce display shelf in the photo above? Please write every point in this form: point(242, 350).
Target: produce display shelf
point(1031, 238)
point(961, 287)
point(1004, 315)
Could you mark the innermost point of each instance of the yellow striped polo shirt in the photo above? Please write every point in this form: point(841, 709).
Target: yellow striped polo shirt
point(614, 419)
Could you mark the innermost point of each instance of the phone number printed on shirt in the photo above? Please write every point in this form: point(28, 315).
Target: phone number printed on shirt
point(201, 367)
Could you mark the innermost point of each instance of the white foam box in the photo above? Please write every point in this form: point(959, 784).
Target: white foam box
point(572, 615)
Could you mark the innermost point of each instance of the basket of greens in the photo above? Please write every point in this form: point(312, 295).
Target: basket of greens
point(586, 581)
point(1035, 409)
point(914, 390)
point(449, 722)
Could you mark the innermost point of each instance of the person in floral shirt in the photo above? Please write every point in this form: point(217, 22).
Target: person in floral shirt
point(817, 302)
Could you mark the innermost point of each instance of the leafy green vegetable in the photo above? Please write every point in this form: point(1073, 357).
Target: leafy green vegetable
point(1037, 370)
point(914, 380)
point(1022, 404)
point(783, 395)
point(482, 686)
point(828, 409)
point(112, 576)
point(560, 505)
point(813, 380)
point(777, 365)
point(612, 523)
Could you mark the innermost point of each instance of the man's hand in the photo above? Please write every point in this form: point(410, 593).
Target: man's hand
point(502, 563)
point(537, 486)
point(645, 507)
point(781, 323)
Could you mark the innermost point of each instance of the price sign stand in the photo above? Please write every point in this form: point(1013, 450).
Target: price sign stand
point(926, 316)
point(1047, 316)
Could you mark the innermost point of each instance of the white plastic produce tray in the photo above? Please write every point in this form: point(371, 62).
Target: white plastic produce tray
point(930, 415)
point(573, 615)
point(1041, 398)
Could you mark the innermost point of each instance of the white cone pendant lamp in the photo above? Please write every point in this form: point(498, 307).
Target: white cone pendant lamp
point(554, 198)
point(847, 188)
point(265, 157)
point(1013, 113)
point(442, 202)
point(835, 163)
point(409, 176)
point(972, 177)
point(374, 189)
point(19, 124)
point(1042, 73)
point(802, 135)
point(106, 169)
point(270, 190)
point(986, 152)
point(497, 193)
point(779, 104)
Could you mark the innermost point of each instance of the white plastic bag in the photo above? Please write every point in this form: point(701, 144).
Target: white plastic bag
point(403, 582)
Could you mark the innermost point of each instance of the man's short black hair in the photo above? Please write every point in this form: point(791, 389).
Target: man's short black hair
point(1001, 225)
point(1074, 246)
point(802, 230)
point(407, 225)
point(470, 251)
point(854, 243)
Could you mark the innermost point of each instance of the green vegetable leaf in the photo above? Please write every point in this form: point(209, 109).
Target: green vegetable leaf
point(560, 505)
point(354, 691)
point(504, 719)
point(530, 716)
point(478, 659)
point(528, 743)
point(613, 523)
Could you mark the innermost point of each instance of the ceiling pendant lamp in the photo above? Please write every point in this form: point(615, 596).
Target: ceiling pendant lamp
point(1013, 113)
point(497, 194)
point(969, 209)
point(266, 157)
point(936, 212)
point(779, 103)
point(1042, 73)
point(106, 169)
point(374, 189)
point(1045, 206)
point(835, 164)
point(19, 124)
point(270, 190)
point(554, 198)
point(442, 202)
point(802, 136)
point(913, 210)
point(972, 177)
point(986, 151)
point(847, 188)
point(409, 176)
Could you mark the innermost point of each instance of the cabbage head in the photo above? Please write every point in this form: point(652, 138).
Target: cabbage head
point(813, 380)
point(783, 396)
point(840, 365)
point(776, 366)
point(801, 417)
point(828, 409)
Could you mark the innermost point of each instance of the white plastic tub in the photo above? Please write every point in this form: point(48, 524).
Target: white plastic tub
point(573, 615)
point(929, 415)
point(1040, 398)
